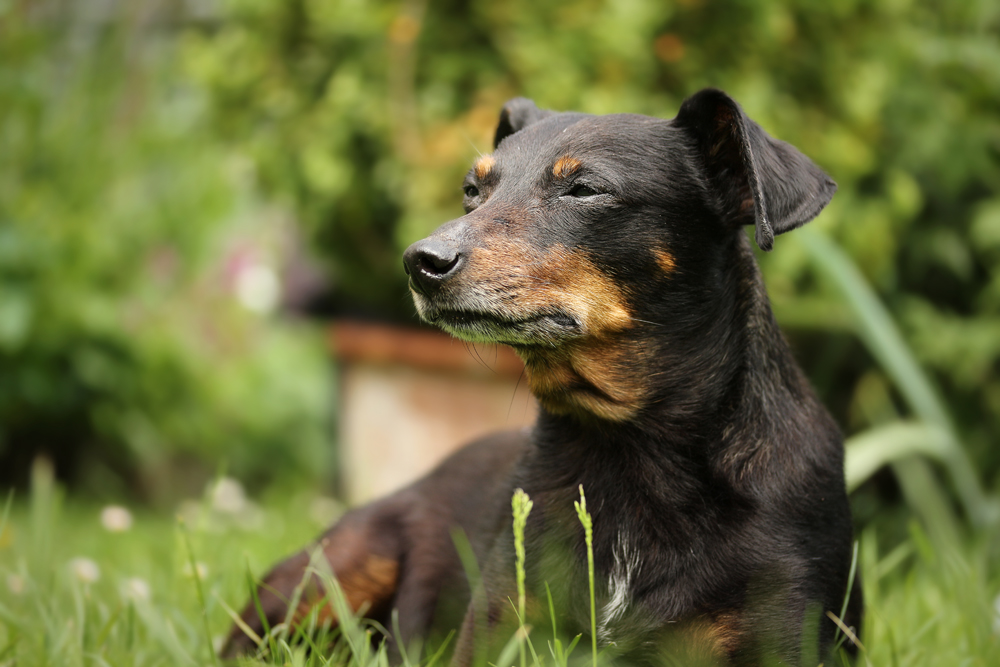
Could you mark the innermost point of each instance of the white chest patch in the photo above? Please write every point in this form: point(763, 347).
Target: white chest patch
point(619, 588)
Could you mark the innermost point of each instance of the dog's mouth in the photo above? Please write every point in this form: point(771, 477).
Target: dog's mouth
point(546, 328)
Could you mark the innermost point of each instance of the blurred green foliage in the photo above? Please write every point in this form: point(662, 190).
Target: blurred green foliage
point(124, 353)
point(365, 115)
point(362, 117)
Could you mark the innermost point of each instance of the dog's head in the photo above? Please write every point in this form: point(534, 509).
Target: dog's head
point(591, 243)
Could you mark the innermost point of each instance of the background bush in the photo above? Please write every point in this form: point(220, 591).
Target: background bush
point(125, 231)
point(360, 119)
point(366, 116)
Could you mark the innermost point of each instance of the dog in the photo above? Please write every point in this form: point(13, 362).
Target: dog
point(609, 253)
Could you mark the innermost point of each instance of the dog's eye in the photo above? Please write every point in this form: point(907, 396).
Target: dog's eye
point(581, 190)
point(471, 191)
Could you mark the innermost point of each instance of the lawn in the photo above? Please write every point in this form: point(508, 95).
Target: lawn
point(85, 584)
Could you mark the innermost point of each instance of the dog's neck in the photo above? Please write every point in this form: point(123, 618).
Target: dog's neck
point(709, 409)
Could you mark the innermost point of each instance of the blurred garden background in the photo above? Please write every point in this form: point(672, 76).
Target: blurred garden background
point(192, 190)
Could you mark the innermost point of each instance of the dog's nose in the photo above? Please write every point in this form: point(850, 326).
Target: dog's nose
point(429, 263)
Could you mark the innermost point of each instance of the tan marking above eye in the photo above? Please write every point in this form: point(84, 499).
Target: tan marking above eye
point(565, 166)
point(664, 259)
point(483, 166)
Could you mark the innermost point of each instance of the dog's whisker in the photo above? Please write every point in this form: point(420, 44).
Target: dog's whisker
point(513, 394)
point(474, 352)
point(465, 135)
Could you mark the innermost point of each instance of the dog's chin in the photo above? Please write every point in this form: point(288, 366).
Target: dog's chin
point(548, 329)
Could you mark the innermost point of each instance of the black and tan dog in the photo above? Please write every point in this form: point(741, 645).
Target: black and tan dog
point(609, 252)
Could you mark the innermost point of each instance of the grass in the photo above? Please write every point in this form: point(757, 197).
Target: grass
point(78, 591)
point(520, 507)
point(588, 528)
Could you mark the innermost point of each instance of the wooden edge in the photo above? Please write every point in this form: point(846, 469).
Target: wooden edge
point(364, 342)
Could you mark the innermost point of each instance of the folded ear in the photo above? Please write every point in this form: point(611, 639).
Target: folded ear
point(758, 180)
point(516, 115)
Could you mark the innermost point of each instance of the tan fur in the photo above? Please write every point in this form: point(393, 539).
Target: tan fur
point(366, 579)
point(725, 632)
point(709, 640)
point(483, 166)
point(565, 166)
point(604, 364)
point(368, 585)
point(553, 278)
point(557, 278)
point(664, 259)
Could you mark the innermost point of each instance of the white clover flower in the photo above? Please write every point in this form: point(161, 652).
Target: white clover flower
point(228, 497)
point(16, 584)
point(258, 288)
point(85, 570)
point(137, 589)
point(116, 519)
point(200, 568)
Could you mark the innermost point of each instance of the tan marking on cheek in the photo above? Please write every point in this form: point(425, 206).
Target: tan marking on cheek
point(532, 281)
point(612, 369)
point(578, 287)
point(565, 166)
point(553, 279)
point(548, 377)
point(664, 259)
point(483, 166)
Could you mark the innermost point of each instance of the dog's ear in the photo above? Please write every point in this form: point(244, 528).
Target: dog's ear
point(516, 115)
point(758, 179)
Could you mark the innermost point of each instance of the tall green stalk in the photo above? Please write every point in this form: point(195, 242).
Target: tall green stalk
point(521, 505)
point(588, 532)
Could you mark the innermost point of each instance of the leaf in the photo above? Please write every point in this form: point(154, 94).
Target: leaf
point(880, 335)
point(867, 452)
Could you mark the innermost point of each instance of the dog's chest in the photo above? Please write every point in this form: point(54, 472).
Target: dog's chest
point(623, 621)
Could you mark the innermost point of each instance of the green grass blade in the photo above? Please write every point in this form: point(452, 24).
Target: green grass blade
point(552, 610)
point(441, 649)
point(506, 658)
point(404, 651)
point(477, 592)
point(201, 593)
point(239, 622)
point(847, 595)
point(255, 596)
point(588, 531)
point(521, 507)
